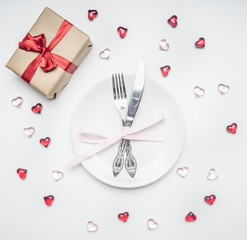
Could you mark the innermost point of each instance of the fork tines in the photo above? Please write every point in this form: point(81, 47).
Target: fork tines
point(118, 85)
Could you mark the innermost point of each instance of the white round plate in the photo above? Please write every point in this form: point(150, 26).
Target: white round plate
point(154, 159)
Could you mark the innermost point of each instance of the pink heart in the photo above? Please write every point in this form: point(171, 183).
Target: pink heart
point(29, 131)
point(17, 102)
point(212, 174)
point(199, 92)
point(164, 45)
point(105, 54)
point(223, 88)
point(152, 224)
point(183, 171)
point(56, 175)
point(92, 227)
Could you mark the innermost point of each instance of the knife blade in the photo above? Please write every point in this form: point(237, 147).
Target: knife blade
point(130, 161)
point(136, 94)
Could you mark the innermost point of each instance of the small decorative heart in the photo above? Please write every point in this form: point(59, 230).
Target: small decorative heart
point(152, 224)
point(17, 102)
point(92, 14)
point(223, 88)
point(190, 217)
point(210, 199)
point(105, 54)
point(173, 21)
point(22, 173)
point(122, 31)
point(183, 171)
point(212, 174)
point(164, 45)
point(200, 43)
point(56, 175)
point(123, 216)
point(199, 92)
point(48, 200)
point(165, 70)
point(37, 108)
point(45, 141)
point(29, 131)
point(92, 227)
point(232, 128)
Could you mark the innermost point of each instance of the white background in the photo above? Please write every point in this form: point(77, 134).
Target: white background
point(79, 197)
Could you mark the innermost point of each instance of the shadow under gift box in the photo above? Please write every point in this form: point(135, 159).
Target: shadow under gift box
point(74, 46)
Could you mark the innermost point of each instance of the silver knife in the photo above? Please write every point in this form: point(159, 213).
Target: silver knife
point(130, 161)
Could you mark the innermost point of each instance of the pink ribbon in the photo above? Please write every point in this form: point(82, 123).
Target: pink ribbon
point(104, 139)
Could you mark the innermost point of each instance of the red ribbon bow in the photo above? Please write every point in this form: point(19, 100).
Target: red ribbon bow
point(46, 59)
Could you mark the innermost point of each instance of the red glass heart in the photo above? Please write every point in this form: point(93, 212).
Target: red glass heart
point(200, 43)
point(92, 14)
point(22, 173)
point(48, 200)
point(210, 199)
point(165, 70)
point(122, 31)
point(232, 128)
point(190, 217)
point(123, 216)
point(45, 141)
point(37, 108)
point(173, 21)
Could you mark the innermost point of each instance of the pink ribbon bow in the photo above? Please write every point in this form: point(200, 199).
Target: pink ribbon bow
point(103, 139)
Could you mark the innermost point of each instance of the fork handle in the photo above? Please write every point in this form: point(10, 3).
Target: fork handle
point(119, 159)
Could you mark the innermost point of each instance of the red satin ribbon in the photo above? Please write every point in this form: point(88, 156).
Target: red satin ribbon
point(46, 59)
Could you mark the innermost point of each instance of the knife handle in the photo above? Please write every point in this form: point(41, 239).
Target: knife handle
point(130, 161)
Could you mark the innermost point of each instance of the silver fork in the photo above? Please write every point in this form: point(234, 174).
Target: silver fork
point(120, 100)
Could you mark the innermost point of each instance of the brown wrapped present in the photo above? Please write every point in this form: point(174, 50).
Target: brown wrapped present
point(50, 53)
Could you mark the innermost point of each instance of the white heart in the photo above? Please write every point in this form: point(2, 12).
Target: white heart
point(164, 45)
point(17, 102)
point(92, 227)
point(212, 174)
point(182, 171)
point(29, 131)
point(152, 224)
point(57, 175)
point(199, 92)
point(105, 54)
point(223, 88)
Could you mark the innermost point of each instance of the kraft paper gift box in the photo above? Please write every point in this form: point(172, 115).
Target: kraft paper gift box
point(50, 53)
